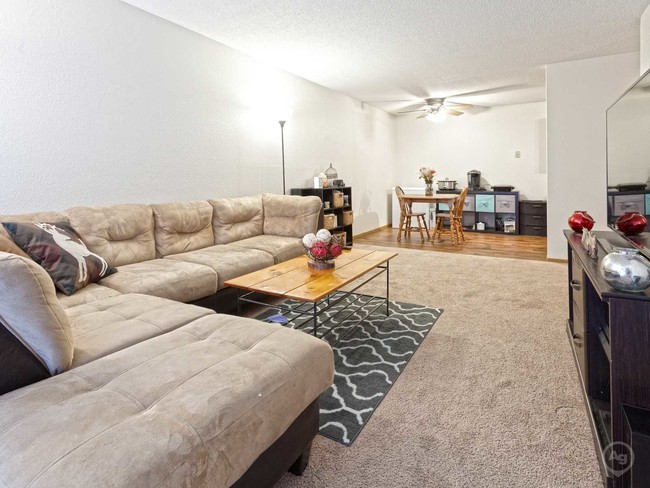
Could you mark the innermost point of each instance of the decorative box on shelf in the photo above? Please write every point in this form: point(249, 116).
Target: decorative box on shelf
point(337, 199)
point(340, 236)
point(348, 217)
point(330, 221)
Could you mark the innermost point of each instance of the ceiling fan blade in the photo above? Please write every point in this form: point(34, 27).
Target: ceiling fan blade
point(411, 111)
point(455, 113)
point(459, 106)
point(423, 115)
point(389, 101)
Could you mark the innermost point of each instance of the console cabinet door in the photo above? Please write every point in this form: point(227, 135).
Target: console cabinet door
point(578, 303)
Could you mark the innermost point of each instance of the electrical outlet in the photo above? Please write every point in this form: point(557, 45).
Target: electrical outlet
point(517, 154)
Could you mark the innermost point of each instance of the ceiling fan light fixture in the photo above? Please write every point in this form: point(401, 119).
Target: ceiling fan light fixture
point(437, 116)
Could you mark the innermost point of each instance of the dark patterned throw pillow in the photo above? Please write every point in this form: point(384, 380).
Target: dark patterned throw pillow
point(60, 251)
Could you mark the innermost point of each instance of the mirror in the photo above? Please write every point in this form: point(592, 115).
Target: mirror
point(628, 153)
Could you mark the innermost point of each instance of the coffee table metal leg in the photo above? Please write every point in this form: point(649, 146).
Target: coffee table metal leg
point(387, 288)
point(315, 319)
point(238, 303)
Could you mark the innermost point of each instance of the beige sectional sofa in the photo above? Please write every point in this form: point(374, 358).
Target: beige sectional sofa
point(132, 387)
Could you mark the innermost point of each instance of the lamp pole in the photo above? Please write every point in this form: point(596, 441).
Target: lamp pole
point(284, 189)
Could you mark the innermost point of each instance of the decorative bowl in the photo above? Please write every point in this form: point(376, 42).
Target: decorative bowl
point(322, 253)
point(626, 270)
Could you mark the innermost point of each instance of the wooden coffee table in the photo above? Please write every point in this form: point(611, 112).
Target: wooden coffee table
point(294, 280)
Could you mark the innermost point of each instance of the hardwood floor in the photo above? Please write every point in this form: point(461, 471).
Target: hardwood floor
point(478, 244)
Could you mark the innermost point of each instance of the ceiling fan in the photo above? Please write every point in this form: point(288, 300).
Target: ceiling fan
point(436, 109)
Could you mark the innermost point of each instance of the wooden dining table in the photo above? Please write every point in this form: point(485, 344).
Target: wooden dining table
point(448, 198)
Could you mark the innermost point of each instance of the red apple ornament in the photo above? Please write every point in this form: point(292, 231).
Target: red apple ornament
point(581, 220)
point(631, 223)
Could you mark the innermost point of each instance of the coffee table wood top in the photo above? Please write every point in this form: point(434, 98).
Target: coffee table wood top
point(294, 279)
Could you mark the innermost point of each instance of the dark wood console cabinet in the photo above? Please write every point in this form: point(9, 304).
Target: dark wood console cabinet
point(610, 336)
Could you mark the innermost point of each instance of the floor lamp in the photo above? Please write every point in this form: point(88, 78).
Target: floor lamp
point(284, 189)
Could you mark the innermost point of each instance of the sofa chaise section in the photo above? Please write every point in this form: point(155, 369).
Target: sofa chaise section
point(193, 407)
point(109, 325)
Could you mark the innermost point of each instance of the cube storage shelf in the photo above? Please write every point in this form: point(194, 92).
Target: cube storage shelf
point(488, 207)
point(327, 195)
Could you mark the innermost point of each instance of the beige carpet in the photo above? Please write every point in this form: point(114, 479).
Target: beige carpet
point(490, 399)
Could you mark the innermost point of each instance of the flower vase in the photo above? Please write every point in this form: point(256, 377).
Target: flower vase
point(428, 191)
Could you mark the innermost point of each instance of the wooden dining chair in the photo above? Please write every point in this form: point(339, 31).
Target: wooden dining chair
point(406, 216)
point(455, 218)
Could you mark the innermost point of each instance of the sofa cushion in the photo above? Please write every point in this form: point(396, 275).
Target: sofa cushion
point(193, 407)
point(86, 295)
point(281, 248)
point(166, 278)
point(108, 325)
point(32, 217)
point(228, 260)
point(291, 216)
point(30, 310)
point(182, 227)
point(59, 250)
point(237, 218)
point(121, 234)
point(7, 245)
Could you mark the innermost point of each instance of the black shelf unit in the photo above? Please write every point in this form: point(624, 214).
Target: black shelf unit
point(327, 195)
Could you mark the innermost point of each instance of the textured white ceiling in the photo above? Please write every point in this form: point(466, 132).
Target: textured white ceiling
point(390, 50)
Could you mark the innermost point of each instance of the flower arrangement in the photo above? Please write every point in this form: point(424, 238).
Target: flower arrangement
point(322, 248)
point(427, 174)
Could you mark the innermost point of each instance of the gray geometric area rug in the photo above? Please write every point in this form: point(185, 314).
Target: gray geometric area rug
point(368, 356)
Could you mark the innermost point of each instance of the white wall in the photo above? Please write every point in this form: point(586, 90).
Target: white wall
point(577, 95)
point(483, 139)
point(103, 103)
point(645, 41)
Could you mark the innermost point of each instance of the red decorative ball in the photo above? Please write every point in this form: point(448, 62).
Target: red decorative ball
point(319, 250)
point(631, 223)
point(336, 250)
point(581, 220)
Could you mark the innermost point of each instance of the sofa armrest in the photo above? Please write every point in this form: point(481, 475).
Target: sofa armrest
point(291, 216)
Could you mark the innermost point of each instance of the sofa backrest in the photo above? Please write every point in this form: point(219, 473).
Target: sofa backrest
point(32, 217)
point(121, 234)
point(291, 216)
point(31, 313)
point(182, 227)
point(235, 219)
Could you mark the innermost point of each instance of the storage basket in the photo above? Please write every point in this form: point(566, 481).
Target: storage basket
point(342, 237)
point(337, 198)
point(348, 217)
point(330, 221)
